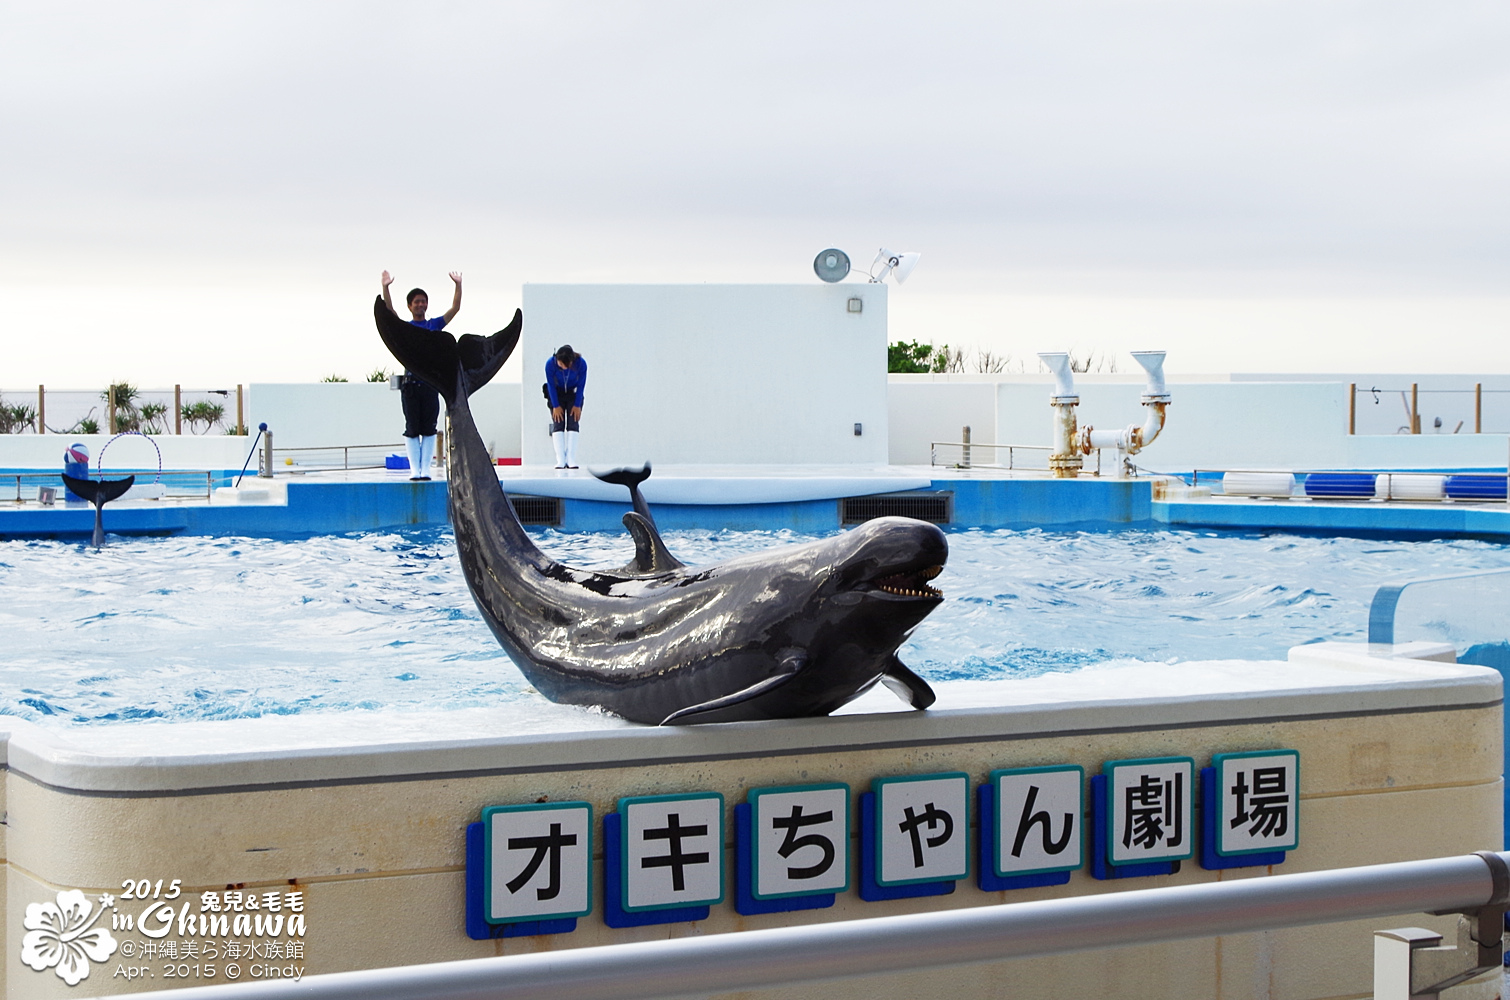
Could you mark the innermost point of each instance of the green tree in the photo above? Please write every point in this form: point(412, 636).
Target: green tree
point(912, 357)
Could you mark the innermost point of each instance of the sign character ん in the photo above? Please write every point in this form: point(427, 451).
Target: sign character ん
point(1039, 826)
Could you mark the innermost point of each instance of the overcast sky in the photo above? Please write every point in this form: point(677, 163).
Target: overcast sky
point(206, 193)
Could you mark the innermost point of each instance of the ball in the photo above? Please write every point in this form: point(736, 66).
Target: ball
point(77, 453)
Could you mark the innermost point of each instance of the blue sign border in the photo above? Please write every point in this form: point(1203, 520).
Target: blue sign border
point(999, 830)
point(1108, 769)
point(753, 797)
point(487, 861)
point(878, 785)
point(623, 811)
point(1221, 811)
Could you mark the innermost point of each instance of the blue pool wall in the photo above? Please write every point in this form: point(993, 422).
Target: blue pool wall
point(317, 508)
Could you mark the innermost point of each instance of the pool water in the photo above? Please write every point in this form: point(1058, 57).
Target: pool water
point(217, 628)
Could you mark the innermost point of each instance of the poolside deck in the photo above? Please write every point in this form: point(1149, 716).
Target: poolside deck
point(799, 498)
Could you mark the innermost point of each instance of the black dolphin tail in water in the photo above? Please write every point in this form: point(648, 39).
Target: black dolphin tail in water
point(98, 492)
point(783, 633)
point(651, 557)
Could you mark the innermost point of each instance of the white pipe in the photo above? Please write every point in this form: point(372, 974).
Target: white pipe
point(1153, 364)
point(1064, 378)
point(1065, 459)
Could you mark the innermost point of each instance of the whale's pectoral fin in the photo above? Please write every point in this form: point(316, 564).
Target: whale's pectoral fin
point(907, 685)
point(790, 660)
point(650, 553)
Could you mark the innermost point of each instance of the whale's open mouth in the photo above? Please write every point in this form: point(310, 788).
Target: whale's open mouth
point(911, 584)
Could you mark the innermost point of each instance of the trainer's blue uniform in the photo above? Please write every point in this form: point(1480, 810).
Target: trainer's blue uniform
point(565, 387)
point(421, 403)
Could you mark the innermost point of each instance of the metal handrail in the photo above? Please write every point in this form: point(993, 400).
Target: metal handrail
point(782, 956)
point(53, 479)
point(1381, 610)
point(345, 450)
point(967, 446)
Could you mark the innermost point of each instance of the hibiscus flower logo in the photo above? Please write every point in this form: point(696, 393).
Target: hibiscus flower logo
point(60, 937)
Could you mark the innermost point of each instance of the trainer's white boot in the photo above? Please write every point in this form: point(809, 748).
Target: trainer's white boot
point(558, 441)
point(571, 448)
point(415, 447)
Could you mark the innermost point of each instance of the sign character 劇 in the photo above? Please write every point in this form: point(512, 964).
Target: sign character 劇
point(1153, 809)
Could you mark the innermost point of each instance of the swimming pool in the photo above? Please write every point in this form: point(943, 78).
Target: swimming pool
point(211, 628)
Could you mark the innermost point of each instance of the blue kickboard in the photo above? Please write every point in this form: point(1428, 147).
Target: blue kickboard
point(870, 890)
point(1100, 867)
point(478, 928)
point(985, 870)
point(745, 902)
point(614, 914)
point(1210, 860)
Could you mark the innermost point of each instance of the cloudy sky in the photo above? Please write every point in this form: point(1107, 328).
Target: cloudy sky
point(206, 193)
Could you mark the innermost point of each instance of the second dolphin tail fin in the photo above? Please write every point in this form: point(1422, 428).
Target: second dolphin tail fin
point(631, 478)
point(98, 491)
point(439, 359)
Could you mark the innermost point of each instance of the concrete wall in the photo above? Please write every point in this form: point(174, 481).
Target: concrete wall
point(1399, 760)
point(924, 412)
point(728, 374)
point(1213, 424)
point(317, 414)
point(45, 451)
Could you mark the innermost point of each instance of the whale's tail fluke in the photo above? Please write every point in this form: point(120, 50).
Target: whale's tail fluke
point(631, 478)
point(447, 364)
point(98, 491)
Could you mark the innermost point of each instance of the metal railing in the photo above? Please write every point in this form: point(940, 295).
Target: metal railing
point(1472, 884)
point(189, 483)
point(967, 457)
point(345, 451)
point(1461, 405)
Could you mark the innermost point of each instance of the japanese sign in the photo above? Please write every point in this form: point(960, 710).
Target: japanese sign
point(673, 850)
point(538, 861)
point(1259, 796)
point(922, 824)
point(801, 840)
point(1039, 819)
point(1149, 809)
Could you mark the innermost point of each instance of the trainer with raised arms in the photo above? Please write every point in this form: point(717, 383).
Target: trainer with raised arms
point(421, 403)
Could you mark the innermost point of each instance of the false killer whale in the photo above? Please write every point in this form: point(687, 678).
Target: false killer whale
point(98, 492)
point(788, 632)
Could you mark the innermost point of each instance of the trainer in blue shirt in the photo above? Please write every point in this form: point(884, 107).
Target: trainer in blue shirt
point(565, 385)
point(421, 403)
